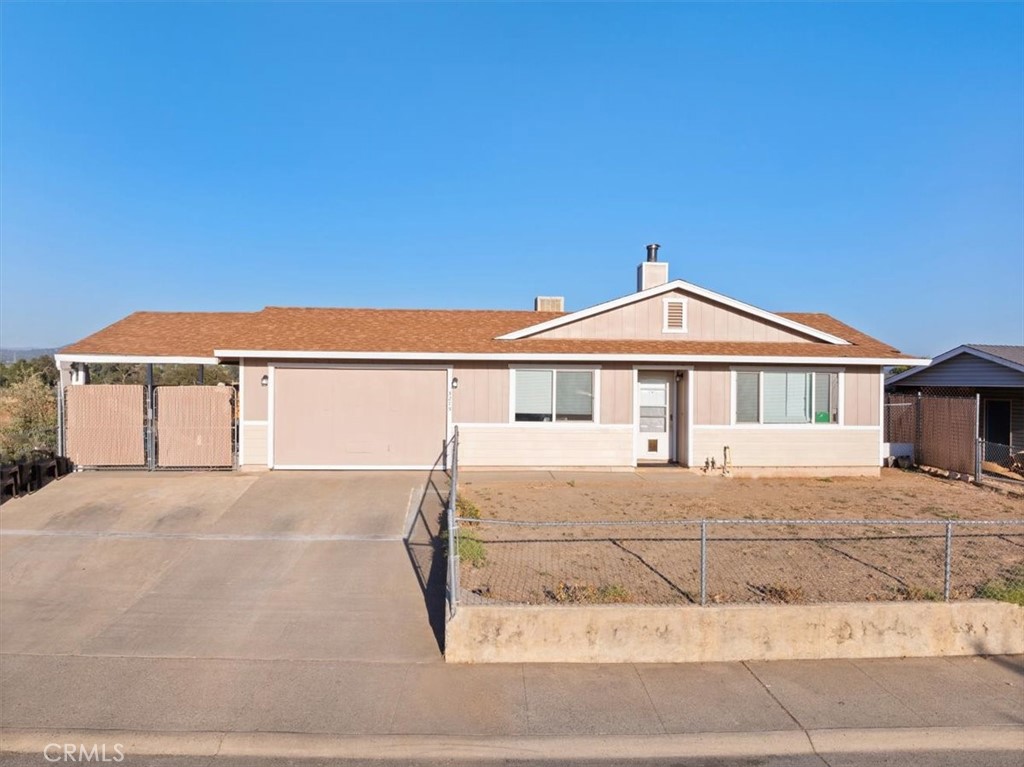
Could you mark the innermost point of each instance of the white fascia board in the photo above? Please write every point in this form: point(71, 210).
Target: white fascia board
point(135, 359)
point(666, 288)
point(503, 358)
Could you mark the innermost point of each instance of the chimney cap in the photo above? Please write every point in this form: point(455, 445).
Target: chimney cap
point(652, 251)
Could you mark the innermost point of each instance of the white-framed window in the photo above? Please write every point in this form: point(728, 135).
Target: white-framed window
point(674, 315)
point(786, 397)
point(545, 395)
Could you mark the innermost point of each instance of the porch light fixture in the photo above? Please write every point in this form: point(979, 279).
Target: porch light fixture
point(264, 380)
point(455, 383)
point(679, 376)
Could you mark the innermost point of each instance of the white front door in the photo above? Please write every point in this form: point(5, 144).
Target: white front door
point(654, 428)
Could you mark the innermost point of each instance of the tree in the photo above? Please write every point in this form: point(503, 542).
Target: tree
point(15, 372)
point(28, 417)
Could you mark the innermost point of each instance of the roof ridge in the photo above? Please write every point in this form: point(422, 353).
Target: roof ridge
point(399, 309)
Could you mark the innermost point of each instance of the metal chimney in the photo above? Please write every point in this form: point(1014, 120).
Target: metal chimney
point(652, 252)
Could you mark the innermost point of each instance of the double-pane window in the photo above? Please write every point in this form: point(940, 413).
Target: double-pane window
point(784, 397)
point(554, 395)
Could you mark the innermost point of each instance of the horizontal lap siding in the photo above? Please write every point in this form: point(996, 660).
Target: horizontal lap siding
point(254, 444)
point(965, 370)
point(481, 445)
point(789, 447)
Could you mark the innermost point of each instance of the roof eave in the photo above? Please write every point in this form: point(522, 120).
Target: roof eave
point(762, 359)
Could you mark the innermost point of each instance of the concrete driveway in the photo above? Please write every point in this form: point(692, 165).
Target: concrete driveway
point(300, 566)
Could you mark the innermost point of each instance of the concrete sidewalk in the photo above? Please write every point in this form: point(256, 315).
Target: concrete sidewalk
point(256, 709)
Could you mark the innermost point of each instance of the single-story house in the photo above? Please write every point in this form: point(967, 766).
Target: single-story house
point(995, 373)
point(671, 373)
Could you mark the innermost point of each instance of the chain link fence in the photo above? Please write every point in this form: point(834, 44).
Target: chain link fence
point(730, 561)
point(942, 425)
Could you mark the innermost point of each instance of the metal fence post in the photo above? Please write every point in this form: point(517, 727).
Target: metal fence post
point(703, 562)
point(150, 418)
point(61, 438)
point(977, 439)
point(917, 430)
point(949, 561)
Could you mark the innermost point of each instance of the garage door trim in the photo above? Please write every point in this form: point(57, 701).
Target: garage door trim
point(271, 366)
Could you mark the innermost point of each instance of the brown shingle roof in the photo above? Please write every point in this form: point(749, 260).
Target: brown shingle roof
point(198, 334)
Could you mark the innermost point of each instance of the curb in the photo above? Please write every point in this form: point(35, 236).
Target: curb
point(265, 745)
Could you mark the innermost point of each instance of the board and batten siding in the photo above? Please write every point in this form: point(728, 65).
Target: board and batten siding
point(482, 396)
point(545, 446)
point(705, 321)
point(254, 394)
point(764, 447)
point(964, 370)
point(483, 393)
point(862, 390)
point(712, 395)
point(617, 395)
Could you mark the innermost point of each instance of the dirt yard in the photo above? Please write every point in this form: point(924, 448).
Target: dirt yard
point(671, 494)
point(660, 563)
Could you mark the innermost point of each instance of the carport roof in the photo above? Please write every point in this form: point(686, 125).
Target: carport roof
point(404, 332)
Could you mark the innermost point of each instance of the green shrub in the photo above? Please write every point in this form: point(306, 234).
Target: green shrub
point(1008, 588)
point(584, 593)
point(471, 549)
point(465, 508)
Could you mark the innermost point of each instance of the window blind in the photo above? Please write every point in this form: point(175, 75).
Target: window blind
point(574, 395)
point(746, 397)
point(787, 397)
point(533, 395)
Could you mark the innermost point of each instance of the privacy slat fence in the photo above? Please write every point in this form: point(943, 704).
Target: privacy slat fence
point(948, 433)
point(193, 426)
point(105, 425)
point(942, 429)
point(112, 426)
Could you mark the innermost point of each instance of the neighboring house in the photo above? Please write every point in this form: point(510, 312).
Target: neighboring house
point(996, 373)
point(672, 373)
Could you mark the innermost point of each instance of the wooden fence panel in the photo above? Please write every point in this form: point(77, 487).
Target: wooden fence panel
point(105, 424)
point(194, 426)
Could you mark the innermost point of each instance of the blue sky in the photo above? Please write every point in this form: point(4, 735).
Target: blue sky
point(861, 160)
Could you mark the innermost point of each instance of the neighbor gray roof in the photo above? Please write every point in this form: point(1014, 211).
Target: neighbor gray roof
point(969, 365)
point(1010, 353)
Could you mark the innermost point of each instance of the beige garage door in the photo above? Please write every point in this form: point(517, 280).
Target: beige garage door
point(347, 418)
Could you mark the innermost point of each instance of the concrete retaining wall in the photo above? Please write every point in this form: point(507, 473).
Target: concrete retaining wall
point(637, 634)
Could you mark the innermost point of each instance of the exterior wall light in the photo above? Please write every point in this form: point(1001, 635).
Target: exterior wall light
point(455, 383)
point(264, 380)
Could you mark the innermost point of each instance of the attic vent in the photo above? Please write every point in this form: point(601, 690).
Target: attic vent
point(549, 304)
point(675, 315)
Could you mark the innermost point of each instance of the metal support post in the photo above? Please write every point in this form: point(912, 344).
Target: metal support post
point(949, 561)
point(150, 420)
point(978, 448)
point(703, 562)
